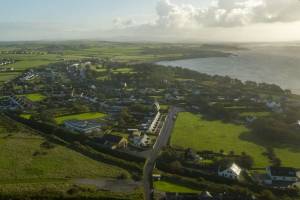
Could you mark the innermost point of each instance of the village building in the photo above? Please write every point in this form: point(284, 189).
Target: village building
point(141, 141)
point(232, 171)
point(281, 176)
point(82, 126)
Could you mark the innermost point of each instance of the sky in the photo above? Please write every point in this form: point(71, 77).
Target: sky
point(151, 20)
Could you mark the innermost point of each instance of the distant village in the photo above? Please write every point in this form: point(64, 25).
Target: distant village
point(124, 115)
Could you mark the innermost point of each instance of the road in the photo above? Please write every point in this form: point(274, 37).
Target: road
point(162, 140)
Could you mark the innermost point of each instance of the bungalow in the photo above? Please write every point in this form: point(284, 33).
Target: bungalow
point(82, 126)
point(281, 174)
point(232, 171)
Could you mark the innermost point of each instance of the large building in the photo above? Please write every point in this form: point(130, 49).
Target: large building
point(277, 175)
point(82, 126)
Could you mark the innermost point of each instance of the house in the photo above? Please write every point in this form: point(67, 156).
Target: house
point(298, 123)
point(141, 141)
point(232, 171)
point(281, 174)
point(274, 106)
point(82, 126)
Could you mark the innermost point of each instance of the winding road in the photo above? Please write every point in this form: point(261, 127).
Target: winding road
point(162, 141)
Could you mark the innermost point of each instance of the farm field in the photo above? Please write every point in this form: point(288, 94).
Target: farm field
point(193, 131)
point(83, 116)
point(165, 186)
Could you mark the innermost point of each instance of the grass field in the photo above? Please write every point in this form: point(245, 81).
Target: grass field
point(35, 97)
point(23, 157)
point(195, 132)
point(289, 156)
point(83, 116)
point(165, 186)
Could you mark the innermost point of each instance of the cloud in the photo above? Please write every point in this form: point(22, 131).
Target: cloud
point(226, 13)
point(123, 23)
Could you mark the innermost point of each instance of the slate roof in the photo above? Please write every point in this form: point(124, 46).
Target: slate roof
point(283, 171)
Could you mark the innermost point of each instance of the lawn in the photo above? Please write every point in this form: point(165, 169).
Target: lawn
point(35, 97)
point(165, 186)
point(195, 132)
point(83, 116)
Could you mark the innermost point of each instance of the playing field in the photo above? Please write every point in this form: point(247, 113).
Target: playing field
point(193, 131)
point(35, 97)
point(165, 186)
point(83, 116)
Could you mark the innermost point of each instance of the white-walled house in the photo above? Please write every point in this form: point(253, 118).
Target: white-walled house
point(232, 172)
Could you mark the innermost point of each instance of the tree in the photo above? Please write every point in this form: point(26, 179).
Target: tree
point(175, 167)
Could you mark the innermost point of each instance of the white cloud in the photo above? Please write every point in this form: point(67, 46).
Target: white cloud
point(123, 23)
point(227, 13)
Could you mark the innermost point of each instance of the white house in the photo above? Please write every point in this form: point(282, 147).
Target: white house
point(232, 171)
point(281, 174)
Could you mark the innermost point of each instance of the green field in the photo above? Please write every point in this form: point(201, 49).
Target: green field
point(22, 157)
point(124, 70)
point(35, 97)
point(25, 116)
point(289, 156)
point(83, 116)
point(165, 186)
point(195, 132)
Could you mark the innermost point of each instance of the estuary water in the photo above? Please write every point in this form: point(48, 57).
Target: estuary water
point(278, 64)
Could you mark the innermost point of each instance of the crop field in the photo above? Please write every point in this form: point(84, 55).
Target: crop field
point(195, 132)
point(83, 116)
point(165, 186)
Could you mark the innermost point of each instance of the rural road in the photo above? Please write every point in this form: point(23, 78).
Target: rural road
point(162, 140)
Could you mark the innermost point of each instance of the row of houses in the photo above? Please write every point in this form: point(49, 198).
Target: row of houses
point(7, 69)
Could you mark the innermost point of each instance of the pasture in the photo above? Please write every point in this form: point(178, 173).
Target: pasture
point(195, 132)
